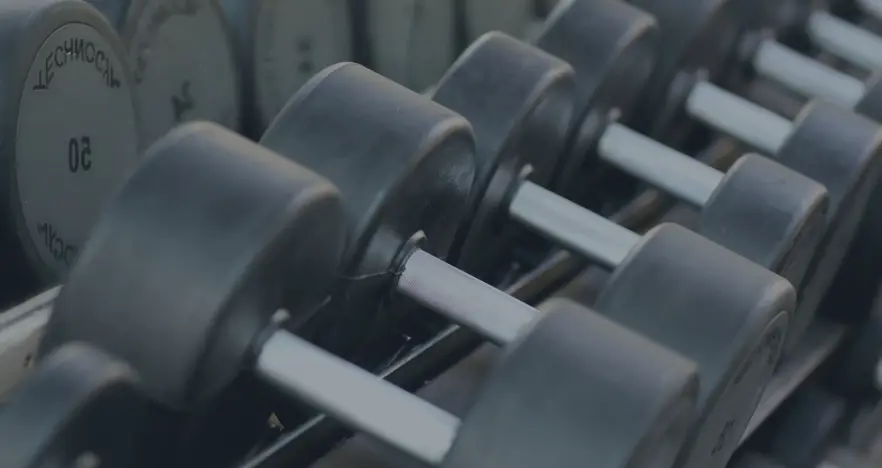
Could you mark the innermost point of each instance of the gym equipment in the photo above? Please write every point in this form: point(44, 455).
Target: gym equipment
point(810, 22)
point(349, 100)
point(254, 233)
point(182, 59)
point(826, 143)
point(280, 45)
point(72, 133)
point(411, 42)
point(80, 408)
point(758, 209)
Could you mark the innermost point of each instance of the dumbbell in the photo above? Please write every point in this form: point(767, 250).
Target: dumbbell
point(349, 100)
point(813, 23)
point(827, 143)
point(79, 408)
point(280, 45)
point(71, 137)
point(618, 57)
point(249, 233)
point(182, 59)
point(517, 99)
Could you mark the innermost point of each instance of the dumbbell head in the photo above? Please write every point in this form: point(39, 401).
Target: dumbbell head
point(79, 406)
point(171, 86)
point(702, 294)
point(597, 378)
point(611, 47)
point(404, 165)
point(695, 36)
point(283, 235)
point(70, 124)
point(519, 102)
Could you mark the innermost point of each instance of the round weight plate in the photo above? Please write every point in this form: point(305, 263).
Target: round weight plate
point(771, 215)
point(519, 102)
point(480, 16)
point(73, 125)
point(292, 41)
point(411, 41)
point(717, 308)
point(209, 238)
point(532, 409)
point(842, 151)
point(695, 35)
point(404, 164)
point(79, 405)
point(183, 62)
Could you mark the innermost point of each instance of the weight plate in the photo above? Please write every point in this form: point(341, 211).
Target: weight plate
point(221, 233)
point(848, 162)
point(637, 414)
point(71, 115)
point(183, 62)
point(412, 41)
point(519, 102)
point(79, 406)
point(695, 35)
point(282, 44)
point(611, 46)
point(771, 215)
point(404, 164)
point(719, 309)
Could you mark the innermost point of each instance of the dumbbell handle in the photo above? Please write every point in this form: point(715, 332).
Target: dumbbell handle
point(738, 117)
point(464, 299)
point(659, 165)
point(843, 39)
point(806, 76)
point(357, 397)
point(571, 225)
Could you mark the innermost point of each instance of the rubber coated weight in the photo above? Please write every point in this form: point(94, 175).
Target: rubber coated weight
point(80, 406)
point(411, 41)
point(183, 62)
point(281, 44)
point(507, 422)
point(653, 389)
point(417, 182)
point(803, 430)
point(71, 126)
point(519, 102)
point(848, 163)
point(715, 308)
point(758, 209)
point(243, 247)
point(611, 46)
point(695, 36)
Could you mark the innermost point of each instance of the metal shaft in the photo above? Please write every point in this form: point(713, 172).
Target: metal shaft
point(738, 117)
point(805, 75)
point(659, 165)
point(358, 398)
point(571, 225)
point(464, 299)
point(845, 40)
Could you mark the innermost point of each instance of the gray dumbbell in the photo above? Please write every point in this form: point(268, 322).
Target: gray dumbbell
point(249, 233)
